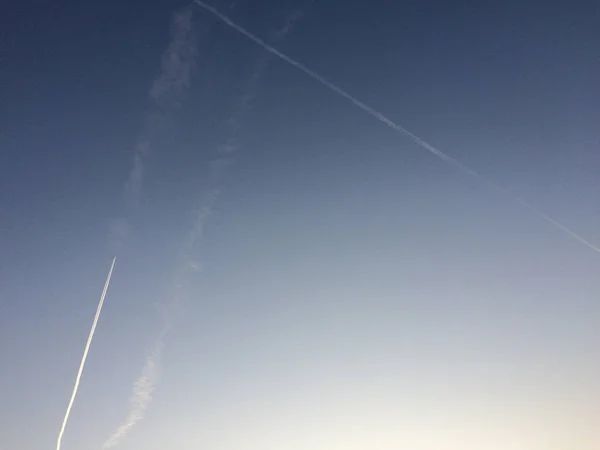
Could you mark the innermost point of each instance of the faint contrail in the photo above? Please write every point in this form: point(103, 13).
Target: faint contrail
point(226, 152)
point(143, 388)
point(145, 385)
point(167, 95)
point(379, 116)
point(85, 352)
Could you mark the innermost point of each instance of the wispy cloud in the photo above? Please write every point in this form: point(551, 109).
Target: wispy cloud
point(166, 95)
point(168, 92)
point(143, 388)
point(146, 383)
point(226, 152)
point(165, 98)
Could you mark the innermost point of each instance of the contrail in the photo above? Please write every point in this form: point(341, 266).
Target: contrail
point(231, 145)
point(85, 352)
point(146, 383)
point(143, 388)
point(379, 116)
point(167, 95)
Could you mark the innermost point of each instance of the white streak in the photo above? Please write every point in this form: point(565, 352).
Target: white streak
point(85, 353)
point(379, 116)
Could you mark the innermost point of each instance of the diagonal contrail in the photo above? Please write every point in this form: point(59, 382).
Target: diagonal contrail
point(166, 96)
point(379, 116)
point(85, 352)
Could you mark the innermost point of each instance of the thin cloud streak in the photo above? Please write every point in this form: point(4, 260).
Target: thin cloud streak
point(379, 116)
point(167, 95)
point(146, 383)
point(231, 145)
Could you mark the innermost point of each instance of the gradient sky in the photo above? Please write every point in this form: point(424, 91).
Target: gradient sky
point(357, 293)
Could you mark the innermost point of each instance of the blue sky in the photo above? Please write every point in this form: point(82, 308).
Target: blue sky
point(356, 291)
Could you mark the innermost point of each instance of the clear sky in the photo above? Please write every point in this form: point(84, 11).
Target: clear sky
point(355, 291)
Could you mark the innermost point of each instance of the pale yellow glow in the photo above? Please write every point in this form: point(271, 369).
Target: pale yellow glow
point(388, 416)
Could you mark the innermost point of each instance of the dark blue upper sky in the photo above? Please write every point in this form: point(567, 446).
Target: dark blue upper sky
point(339, 252)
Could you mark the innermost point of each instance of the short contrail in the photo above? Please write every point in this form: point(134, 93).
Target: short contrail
point(85, 352)
point(379, 116)
point(166, 96)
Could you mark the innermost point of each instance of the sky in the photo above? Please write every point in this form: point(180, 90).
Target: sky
point(354, 291)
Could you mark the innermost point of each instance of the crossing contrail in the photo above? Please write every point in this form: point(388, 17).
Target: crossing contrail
point(379, 116)
point(85, 353)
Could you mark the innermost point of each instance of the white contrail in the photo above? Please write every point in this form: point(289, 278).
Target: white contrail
point(379, 116)
point(166, 95)
point(85, 352)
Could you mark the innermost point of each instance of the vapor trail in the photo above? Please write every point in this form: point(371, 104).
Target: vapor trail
point(379, 116)
point(165, 97)
point(146, 383)
point(85, 352)
point(167, 94)
point(227, 150)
